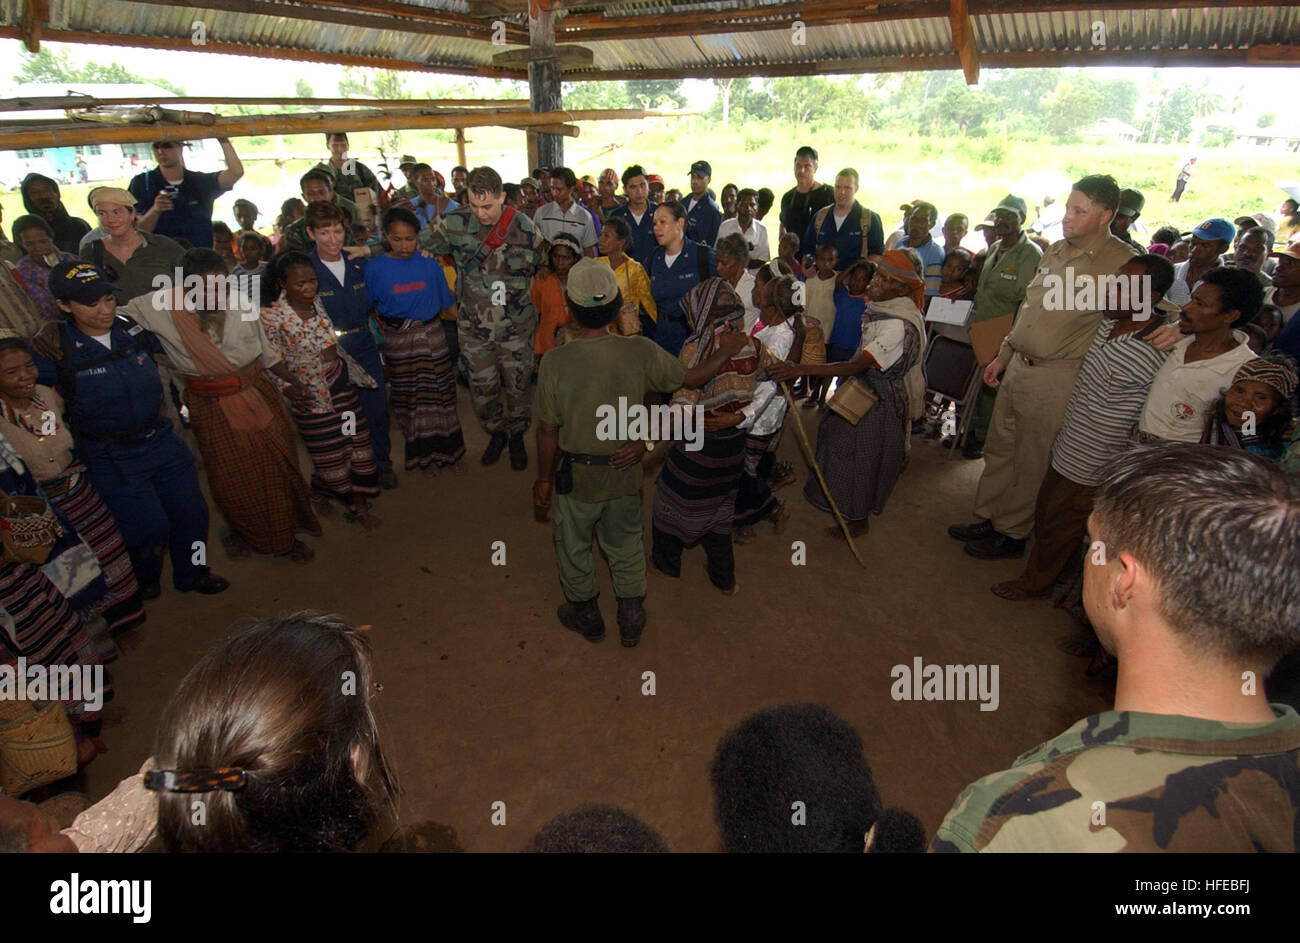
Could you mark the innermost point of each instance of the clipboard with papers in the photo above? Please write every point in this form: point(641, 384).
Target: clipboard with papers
point(948, 311)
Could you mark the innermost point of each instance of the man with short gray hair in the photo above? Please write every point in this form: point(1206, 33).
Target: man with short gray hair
point(855, 231)
point(1191, 583)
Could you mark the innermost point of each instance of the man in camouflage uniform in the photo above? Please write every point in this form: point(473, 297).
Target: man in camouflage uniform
point(495, 249)
point(1192, 584)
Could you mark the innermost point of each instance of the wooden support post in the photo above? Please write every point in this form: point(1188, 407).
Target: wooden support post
point(963, 41)
point(460, 147)
point(543, 87)
point(35, 13)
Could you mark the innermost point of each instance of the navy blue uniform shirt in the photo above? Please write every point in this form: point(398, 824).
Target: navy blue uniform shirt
point(703, 220)
point(191, 216)
point(643, 233)
point(347, 305)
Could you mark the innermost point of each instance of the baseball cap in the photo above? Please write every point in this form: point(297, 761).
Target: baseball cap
point(701, 168)
point(655, 178)
point(530, 182)
point(1012, 204)
point(592, 283)
point(406, 161)
point(80, 282)
point(1262, 220)
point(1291, 251)
point(989, 223)
point(588, 178)
point(115, 196)
point(1130, 203)
point(1216, 228)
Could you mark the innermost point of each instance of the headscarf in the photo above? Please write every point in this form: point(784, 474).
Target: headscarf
point(609, 175)
point(897, 265)
point(1276, 372)
point(734, 385)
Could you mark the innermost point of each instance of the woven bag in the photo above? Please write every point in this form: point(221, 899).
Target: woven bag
point(37, 745)
point(28, 528)
point(814, 342)
point(852, 400)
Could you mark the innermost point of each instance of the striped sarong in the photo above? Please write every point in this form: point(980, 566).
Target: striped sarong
point(422, 384)
point(754, 499)
point(343, 465)
point(254, 475)
point(40, 625)
point(88, 514)
point(695, 493)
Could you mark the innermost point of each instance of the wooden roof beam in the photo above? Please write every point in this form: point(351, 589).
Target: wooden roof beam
point(65, 102)
point(963, 40)
point(183, 44)
point(349, 17)
point(35, 15)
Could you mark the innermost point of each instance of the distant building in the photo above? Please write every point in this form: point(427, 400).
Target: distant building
point(1112, 129)
point(1277, 137)
point(102, 162)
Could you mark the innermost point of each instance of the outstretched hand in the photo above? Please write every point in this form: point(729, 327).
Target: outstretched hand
point(542, 499)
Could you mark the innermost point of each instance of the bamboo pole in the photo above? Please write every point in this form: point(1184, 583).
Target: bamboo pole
point(76, 133)
point(74, 102)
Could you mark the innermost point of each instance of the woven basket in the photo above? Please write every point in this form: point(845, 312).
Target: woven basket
point(852, 400)
point(627, 322)
point(28, 529)
point(814, 342)
point(37, 745)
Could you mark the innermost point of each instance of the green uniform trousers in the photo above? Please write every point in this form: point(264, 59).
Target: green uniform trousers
point(616, 524)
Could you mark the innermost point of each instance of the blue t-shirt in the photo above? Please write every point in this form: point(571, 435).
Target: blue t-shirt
point(191, 215)
point(847, 331)
point(643, 233)
point(670, 285)
point(412, 288)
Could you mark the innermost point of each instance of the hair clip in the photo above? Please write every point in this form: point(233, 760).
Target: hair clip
point(229, 779)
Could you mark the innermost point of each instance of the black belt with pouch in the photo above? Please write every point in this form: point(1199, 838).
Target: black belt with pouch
point(564, 474)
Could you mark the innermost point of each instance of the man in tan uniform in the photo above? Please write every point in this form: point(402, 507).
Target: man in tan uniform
point(1038, 364)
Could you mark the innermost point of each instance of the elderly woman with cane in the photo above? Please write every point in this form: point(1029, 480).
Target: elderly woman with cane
point(862, 442)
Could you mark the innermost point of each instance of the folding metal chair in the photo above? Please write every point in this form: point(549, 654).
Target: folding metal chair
point(952, 374)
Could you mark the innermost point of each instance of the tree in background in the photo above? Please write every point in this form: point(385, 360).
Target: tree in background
point(53, 66)
point(302, 89)
point(584, 95)
point(656, 93)
point(376, 83)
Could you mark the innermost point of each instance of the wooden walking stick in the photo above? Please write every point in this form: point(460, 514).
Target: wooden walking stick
point(792, 410)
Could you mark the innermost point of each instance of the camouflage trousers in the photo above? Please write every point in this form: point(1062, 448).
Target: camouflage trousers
point(497, 357)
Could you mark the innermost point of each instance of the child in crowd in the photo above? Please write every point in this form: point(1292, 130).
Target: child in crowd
point(1256, 412)
point(223, 243)
point(633, 282)
point(291, 210)
point(252, 254)
point(850, 300)
point(787, 247)
point(409, 290)
point(548, 292)
point(819, 304)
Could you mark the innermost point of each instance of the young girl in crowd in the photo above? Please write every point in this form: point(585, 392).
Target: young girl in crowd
point(1256, 412)
point(408, 291)
point(819, 310)
point(330, 420)
point(633, 282)
point(548, 292)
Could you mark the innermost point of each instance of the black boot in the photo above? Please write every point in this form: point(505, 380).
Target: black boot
point(495, 448)
point(631, 620)
point(583, 618)
point(518, 454)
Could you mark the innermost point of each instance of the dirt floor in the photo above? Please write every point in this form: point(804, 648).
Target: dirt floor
point(487, 698)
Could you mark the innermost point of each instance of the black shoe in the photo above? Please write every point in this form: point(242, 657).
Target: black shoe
point(980, 530)
point(631, 620)
point(583, 618)
point(209, 585)
point(996, 547)
point(494, 449)
point(150, 590)
point(387, 479)
point(518, 454)
point(972, 450)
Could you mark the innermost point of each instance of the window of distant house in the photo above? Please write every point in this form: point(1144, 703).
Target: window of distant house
point(93, 150)
point(31, 153)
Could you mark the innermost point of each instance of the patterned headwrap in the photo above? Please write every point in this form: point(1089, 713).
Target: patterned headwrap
point(734, 385)
point(439, 179)
point(609, 176)
point(1274, 371)
point(896, 264)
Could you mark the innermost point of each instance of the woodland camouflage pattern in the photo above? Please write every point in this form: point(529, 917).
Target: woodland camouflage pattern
point(496, 340)
point(1168, 783)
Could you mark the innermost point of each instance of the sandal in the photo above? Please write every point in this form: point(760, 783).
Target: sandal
point(301, 553)
point(363, 517)
point(782, 475)
point(321, 503)
point(236, 547)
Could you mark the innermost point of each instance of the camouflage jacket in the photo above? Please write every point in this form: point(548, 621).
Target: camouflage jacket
point(479, 285)
point(1128, 781)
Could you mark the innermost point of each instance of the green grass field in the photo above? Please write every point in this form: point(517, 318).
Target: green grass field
point(968, 175)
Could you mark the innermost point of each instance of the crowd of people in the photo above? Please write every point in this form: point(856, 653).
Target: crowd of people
point(162, 342)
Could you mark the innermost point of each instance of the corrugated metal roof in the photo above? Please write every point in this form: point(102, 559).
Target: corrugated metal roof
point(1133, 31)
